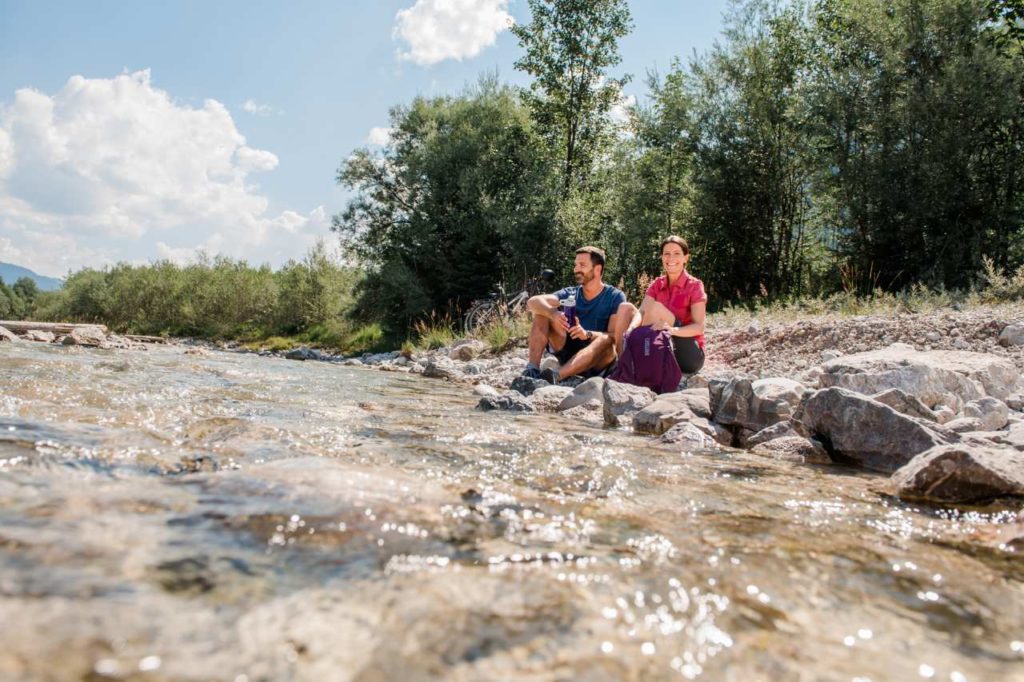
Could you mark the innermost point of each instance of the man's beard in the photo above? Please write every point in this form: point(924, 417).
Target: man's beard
point(582, 278)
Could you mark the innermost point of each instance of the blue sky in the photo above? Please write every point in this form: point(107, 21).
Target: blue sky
point(142, 130)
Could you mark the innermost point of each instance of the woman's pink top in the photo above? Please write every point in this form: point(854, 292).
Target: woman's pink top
point(678, 297)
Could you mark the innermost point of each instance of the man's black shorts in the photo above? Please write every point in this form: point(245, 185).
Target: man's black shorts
point(572, 347)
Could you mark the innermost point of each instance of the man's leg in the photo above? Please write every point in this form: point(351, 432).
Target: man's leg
point(625, 320)
point(599, 354)
point(542, 333)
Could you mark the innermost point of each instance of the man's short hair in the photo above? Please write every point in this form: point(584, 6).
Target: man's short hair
point(596, 254)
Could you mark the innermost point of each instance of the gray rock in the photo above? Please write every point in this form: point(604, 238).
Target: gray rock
point(1012, 335)
point(7, 335)
point(466, 349)
point(992, 412)
point(509, 401)
point(933, 337)
point(441, 368)
point(86, 336)
point(753, 405)
point(302, 353)
point(672, 408)
point(944, 415)
point(827, 355)
point(549, 397)
point(953, 473)
point(1016, 402)
point(694, 381)
point(964, 424)
point(591, 389)
point(485, 390)
point(1012, 436)
point(623, 401)
point(526, 385)
point(929, 376)
point(352, 362)
point(793, 449)
point(862, 431)
point(781, 430)
point(904, 403)
point(688, 436)
point(38, 335)
point(960, 343)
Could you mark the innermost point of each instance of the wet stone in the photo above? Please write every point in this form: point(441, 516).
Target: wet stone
point(509, 401)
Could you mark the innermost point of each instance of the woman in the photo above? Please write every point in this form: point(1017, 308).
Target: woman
point(676, 301)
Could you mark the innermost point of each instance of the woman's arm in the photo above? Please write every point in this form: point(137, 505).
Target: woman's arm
point(698, 312)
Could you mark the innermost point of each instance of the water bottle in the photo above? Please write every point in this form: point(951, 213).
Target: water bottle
point(569, 309)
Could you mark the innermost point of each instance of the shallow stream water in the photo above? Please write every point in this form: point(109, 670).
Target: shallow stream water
point(166, 516)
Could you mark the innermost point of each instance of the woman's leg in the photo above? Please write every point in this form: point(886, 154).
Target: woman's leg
point(688, 354)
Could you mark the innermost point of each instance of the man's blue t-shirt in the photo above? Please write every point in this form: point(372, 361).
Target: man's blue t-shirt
point(593, 315)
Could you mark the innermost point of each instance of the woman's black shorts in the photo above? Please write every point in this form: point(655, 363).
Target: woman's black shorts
point(688, 354)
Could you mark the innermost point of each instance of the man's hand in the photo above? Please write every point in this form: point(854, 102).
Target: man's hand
point(578, 332)
point(560, 320)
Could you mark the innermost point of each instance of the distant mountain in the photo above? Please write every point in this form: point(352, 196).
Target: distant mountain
point(12, 273)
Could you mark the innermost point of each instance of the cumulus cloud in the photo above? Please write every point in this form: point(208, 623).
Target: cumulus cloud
point(435, 30)
point(105, 169)
point(619, 112)
point(378, 136)
point(256, 109)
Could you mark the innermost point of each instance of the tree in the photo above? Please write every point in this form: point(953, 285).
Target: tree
point(570, 45)
point(457, 201)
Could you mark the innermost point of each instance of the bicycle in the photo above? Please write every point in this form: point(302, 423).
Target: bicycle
point(498, 305)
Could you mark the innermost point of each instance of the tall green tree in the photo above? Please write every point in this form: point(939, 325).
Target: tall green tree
point(570, 45)
point(458, 200)
point(920, 124)
point(752, 225)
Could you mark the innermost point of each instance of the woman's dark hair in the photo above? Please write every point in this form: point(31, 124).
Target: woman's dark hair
point(674, 239)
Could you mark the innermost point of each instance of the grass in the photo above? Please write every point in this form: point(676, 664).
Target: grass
point(436, 332)
point(502, 333)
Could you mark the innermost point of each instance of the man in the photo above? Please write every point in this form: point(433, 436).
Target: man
point(603, 317)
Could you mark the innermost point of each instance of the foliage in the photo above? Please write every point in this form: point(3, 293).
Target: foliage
point(18, 301)
point(456, 202)
point(568, 47)
point(435, 332)
point(213, 298)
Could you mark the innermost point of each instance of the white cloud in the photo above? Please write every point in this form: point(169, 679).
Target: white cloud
point(107, 169)
point(619, 112)
point(256, 109)
point(378, 136)
point(436, 30)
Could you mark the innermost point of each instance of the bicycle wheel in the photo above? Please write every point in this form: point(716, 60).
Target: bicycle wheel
point(479, 315)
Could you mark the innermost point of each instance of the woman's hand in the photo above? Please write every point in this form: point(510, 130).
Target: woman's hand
point(660, 325)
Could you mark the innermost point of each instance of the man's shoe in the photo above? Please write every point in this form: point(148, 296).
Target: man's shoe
point(549, 375)
point(531, 373)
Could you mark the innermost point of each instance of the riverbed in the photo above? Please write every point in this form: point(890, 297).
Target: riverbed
point(222, 516)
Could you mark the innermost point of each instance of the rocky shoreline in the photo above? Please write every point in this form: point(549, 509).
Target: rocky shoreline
point(933, 400)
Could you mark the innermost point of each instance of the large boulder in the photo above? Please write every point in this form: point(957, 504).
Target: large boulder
point(86, 336)
point(623, 401)
point(589, 390)
point(549, 397)
point(688, 436)
point(931, 376)
point(7, 335)
point(858, 430)
point(954, 473)
point(754, 405)
point(509, 401)
point(670, 409)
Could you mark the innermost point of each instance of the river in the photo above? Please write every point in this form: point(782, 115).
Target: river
point(229, 517)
